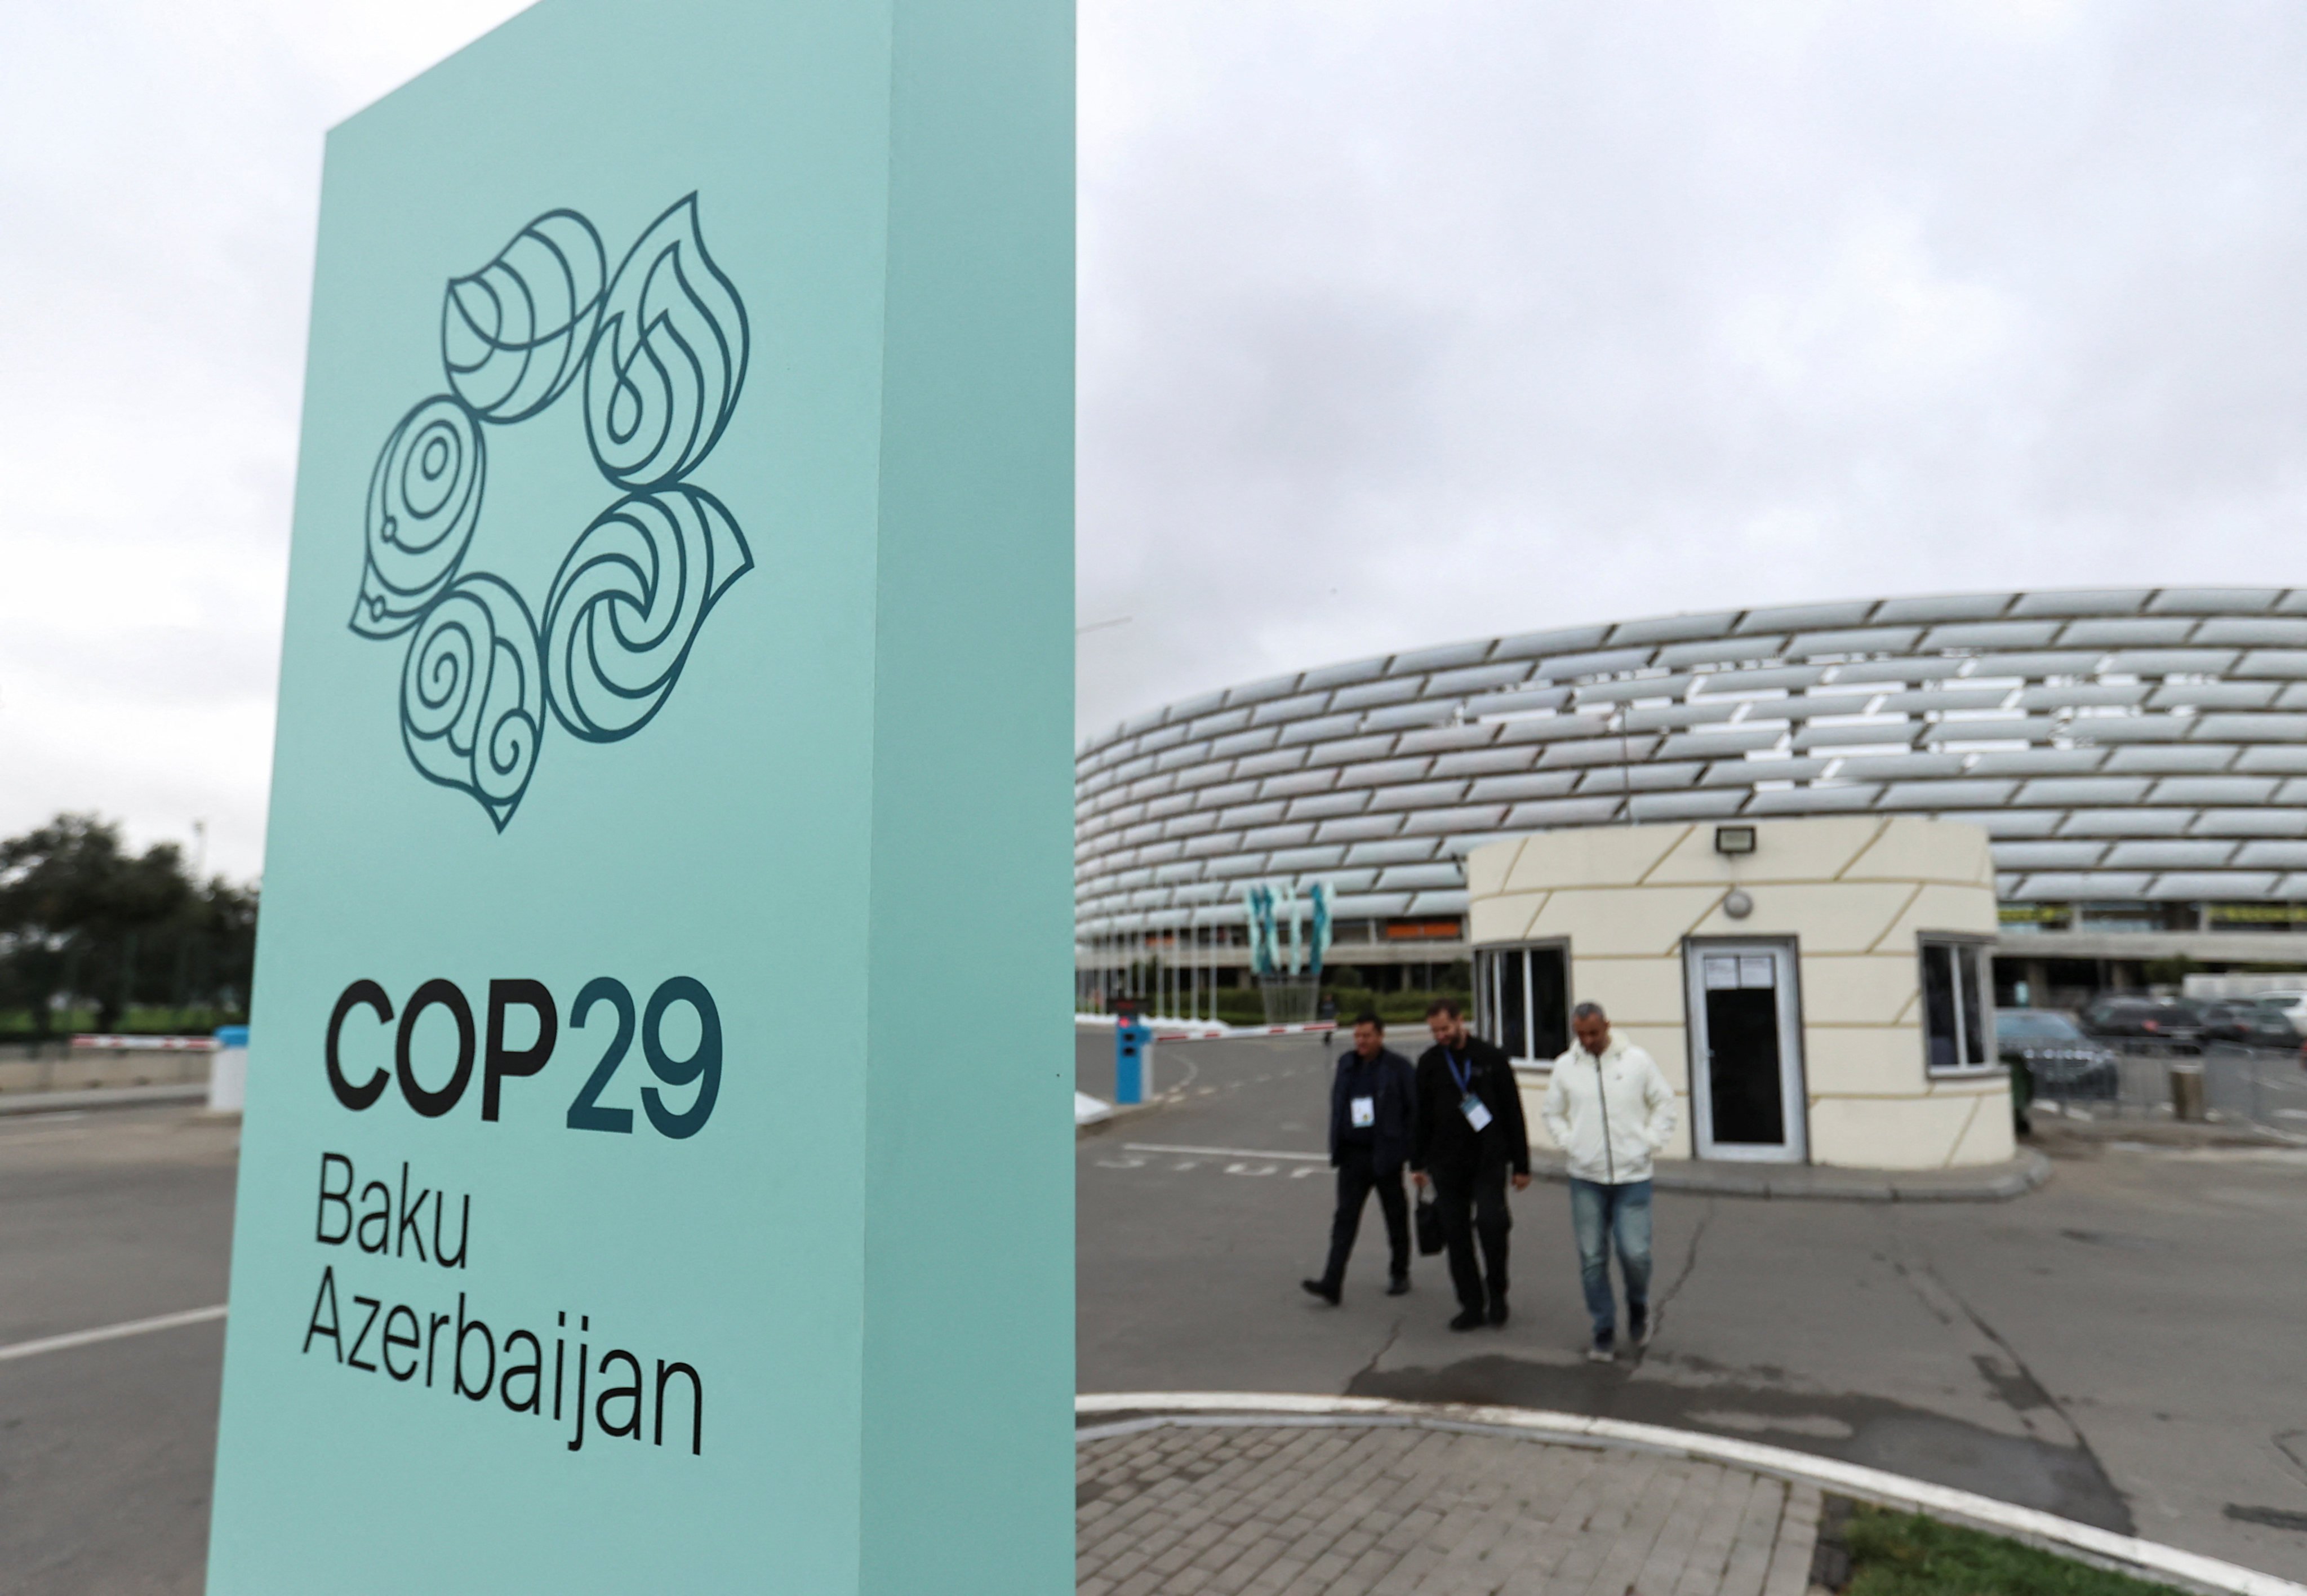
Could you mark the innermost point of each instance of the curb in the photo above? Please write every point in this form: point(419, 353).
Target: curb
point(145, 1044)
point(1119, 1113)
point(1990, 1183)
point(1134, 1411)
point(53, 1103)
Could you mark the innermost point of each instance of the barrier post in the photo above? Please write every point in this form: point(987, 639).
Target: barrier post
point(1133, 1059)
point(228, 1070)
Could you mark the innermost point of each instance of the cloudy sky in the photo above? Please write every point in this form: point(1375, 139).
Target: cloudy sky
point(1400, 322)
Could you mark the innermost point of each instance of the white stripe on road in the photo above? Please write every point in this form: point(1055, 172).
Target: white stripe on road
point(1221, 1152)
point(80, 1338)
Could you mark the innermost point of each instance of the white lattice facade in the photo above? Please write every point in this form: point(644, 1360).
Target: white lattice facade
point(2143, 747)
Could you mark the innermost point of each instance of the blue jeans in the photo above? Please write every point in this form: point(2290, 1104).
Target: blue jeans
point(1599, 1214)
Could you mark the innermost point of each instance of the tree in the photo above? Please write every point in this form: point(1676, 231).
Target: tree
point(81, 917)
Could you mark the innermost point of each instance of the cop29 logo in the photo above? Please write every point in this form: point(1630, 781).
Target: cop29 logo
point(661, 347)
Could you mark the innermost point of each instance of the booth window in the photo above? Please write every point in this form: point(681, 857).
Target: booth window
point(1956, 1023)
point(1521, 1001)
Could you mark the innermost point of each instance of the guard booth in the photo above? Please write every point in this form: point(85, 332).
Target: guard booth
point(1817, 991)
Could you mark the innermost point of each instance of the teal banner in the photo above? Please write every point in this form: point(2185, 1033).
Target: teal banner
point(656, 1172)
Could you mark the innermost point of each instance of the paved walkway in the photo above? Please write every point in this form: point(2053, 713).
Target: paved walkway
point(1984, 1183)
point(1236, 1510)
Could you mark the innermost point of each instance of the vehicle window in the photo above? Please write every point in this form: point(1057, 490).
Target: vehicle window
point(2034, 1026)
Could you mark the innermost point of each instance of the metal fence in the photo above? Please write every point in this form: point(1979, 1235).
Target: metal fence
point(2267, 1087)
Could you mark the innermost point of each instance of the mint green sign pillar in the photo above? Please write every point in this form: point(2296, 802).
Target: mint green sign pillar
point(656, 1172)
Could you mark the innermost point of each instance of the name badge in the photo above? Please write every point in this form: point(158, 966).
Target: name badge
point(1364, 1112)
point(1477, 1111)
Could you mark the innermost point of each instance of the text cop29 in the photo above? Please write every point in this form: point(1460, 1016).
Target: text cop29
point(500, 1063)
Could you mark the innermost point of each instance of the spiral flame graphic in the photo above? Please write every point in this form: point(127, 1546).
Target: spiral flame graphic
point(472, 695)
point(516, 333)
point(669, 359)
point(424, 501)
point(628, 603)
point(662, 349)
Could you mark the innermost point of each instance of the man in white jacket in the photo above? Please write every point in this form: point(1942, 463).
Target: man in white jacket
point(1611, 1110)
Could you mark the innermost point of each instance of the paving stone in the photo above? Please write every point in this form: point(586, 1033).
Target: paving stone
point(1389, 1510)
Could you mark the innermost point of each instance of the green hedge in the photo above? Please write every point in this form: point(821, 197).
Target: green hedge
point(139, 1021)
point(1242, 1006)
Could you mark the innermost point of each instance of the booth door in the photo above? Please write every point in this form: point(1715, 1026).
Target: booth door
point(1745, 1051)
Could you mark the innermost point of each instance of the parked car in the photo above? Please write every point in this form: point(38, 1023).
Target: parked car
point(2060, 1058)
point(2248, 1024)
point(2291, 1006)
point(2171, 1022)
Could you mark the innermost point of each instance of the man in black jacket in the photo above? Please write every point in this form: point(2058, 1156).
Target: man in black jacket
point(1373, 1105)
point(1470, 1136)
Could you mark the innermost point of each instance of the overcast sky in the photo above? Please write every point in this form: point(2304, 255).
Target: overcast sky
point(1399, 323)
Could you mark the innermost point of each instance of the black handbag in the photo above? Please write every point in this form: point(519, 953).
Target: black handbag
point(1430, 1237)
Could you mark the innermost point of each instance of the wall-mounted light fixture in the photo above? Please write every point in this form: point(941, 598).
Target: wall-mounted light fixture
point(1734, 839)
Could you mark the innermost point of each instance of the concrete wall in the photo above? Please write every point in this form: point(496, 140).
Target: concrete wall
point(1856, 893)
point(82, 1070)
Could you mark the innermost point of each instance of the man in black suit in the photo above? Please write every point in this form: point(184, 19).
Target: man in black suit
point(1373, 1107)
point(1470, 1139)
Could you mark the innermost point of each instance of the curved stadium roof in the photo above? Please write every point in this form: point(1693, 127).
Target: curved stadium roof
point(2133, 744)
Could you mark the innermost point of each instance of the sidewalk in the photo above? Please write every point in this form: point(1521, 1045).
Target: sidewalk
point(102, 1097)
point(1980, 1183)
point(1246, 1494)
point(1278, 1512)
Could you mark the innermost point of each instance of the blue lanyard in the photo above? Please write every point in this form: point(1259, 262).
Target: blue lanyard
point(1464, 1077)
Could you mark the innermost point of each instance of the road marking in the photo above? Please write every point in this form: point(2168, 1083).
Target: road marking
point(1222, 1152)
point(80, 1338)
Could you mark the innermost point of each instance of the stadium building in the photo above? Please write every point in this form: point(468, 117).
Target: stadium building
point(2138, 758)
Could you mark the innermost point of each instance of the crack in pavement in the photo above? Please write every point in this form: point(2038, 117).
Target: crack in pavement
point(2007, 1375)
point(1367, 1369)
point(1682, 1277)
point(2027, 1386)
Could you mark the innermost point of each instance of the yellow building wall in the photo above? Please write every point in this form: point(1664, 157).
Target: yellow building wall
point(1855, 893)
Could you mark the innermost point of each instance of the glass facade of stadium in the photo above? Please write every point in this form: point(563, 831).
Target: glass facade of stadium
point(2137, 757)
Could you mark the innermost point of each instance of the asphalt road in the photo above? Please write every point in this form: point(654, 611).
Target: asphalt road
point(105, 1449)
point(2120, 1348)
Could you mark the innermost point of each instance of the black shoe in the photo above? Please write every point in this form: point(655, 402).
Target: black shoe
point(1399, 1286)
point(1603, 1350)
point(1324, 1289)
point(1471, 1318)
point(1497, 1310)
point(1638, 1327)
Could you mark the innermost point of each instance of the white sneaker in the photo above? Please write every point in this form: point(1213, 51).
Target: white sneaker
point(1602, 1352)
